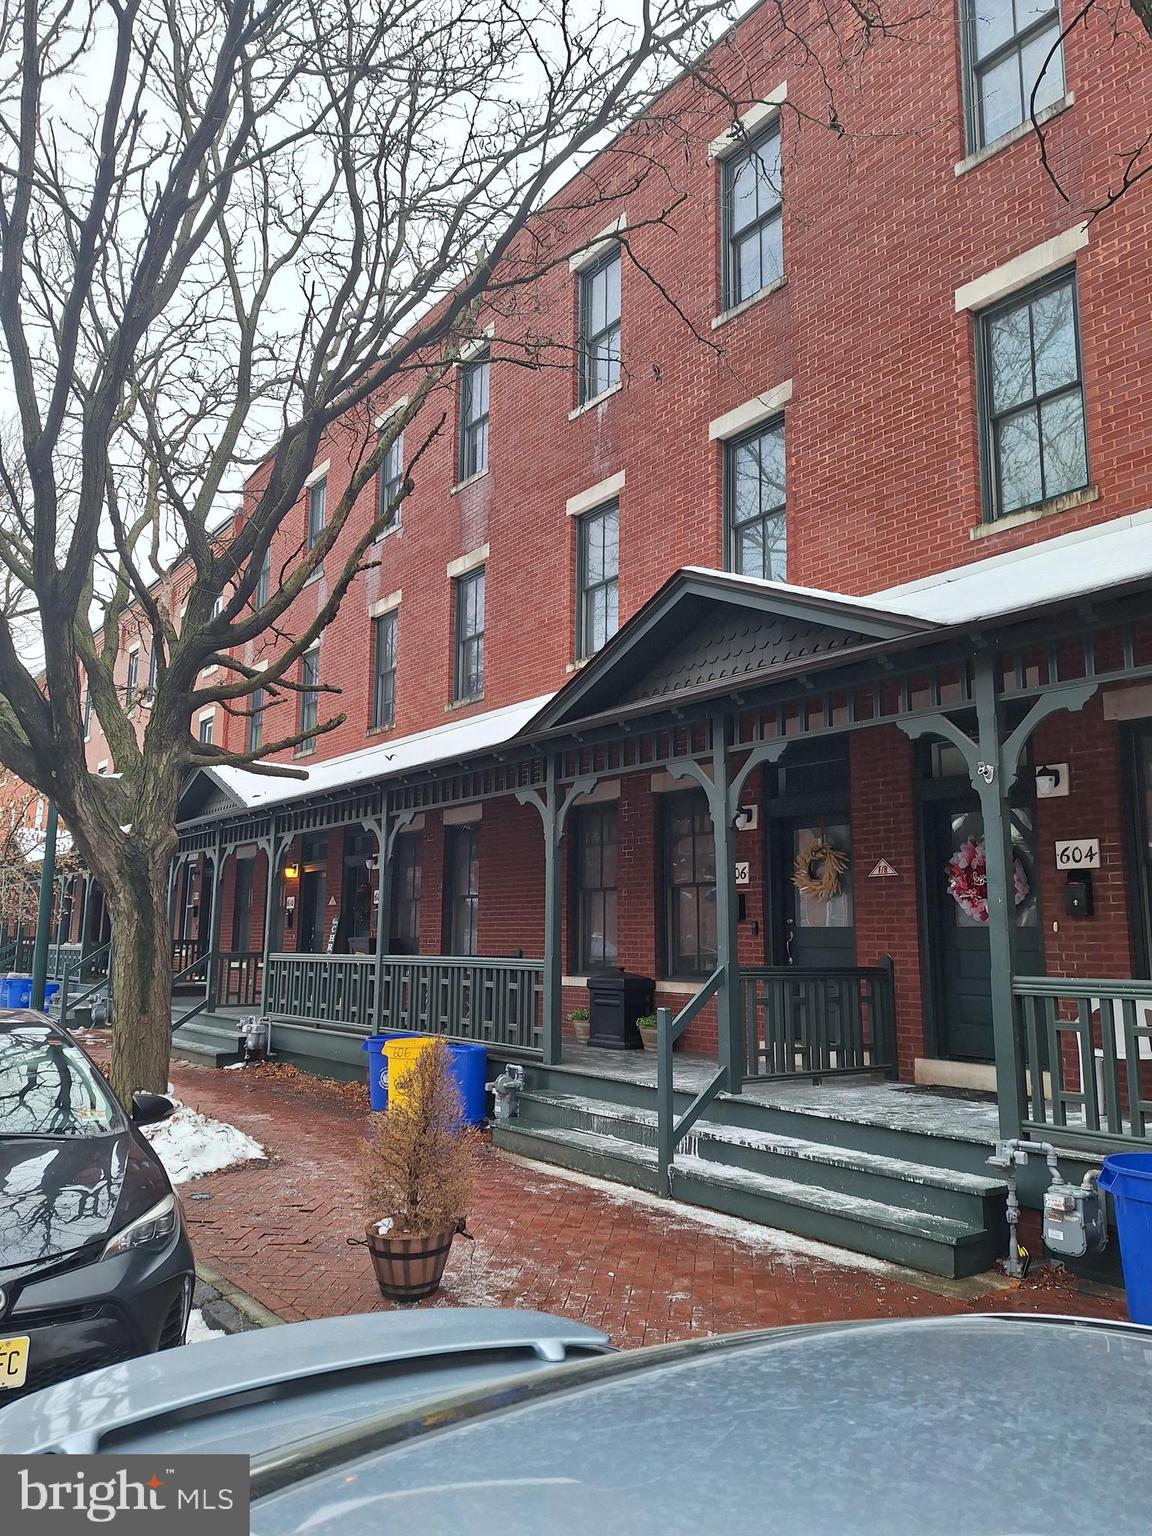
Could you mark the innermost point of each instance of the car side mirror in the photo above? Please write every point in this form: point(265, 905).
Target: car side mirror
point(151, 1108)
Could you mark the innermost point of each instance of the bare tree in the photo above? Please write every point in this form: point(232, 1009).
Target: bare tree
point(230, 227)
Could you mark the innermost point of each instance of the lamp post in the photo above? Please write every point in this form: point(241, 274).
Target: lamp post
point(44, 911)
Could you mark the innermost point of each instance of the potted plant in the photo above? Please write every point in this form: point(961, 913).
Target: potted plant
point(647, 1028)
point(578, 1019)
point(418, 1172)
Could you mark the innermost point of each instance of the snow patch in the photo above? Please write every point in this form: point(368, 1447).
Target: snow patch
point(199, 1331)
point(190, 1145)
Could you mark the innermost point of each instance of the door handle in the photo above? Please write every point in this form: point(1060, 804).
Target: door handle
point(789, 935)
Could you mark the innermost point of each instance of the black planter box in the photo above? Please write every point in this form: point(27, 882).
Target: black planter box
point(616, 999)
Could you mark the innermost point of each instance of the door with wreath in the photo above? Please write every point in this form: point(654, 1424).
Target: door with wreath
point(958, 913)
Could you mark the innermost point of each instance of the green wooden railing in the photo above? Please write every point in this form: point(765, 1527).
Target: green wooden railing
point(198, 973)
point(238, 978)
point(491, 1001)
point(1086, 1049)
point(670, 1129)
point(819, 1023)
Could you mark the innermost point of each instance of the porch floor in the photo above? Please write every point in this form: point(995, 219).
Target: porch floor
point(868, 1100)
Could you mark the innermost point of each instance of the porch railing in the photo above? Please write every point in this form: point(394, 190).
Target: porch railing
point(670, 1128)
point(491, 1001)
point(198, 974)
point(1086, 1050)
point(83, 977)
point(185, 952)
point(819, 1023)
point(238, 978)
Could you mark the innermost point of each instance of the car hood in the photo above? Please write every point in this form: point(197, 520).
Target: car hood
point(61, 1194)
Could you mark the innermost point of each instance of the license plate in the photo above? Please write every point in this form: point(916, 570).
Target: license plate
point(13, 1362)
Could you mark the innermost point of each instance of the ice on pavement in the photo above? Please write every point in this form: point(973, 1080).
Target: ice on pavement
point(199, 1331)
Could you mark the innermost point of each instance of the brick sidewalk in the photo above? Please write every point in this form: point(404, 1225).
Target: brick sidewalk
point(631, 1264)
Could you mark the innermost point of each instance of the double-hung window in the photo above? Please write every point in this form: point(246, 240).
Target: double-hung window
point(390, 482)
point(474, 417)
point(132, 682)
point(384, 669)
point(264, 580)
point(309, 712)
point(600, 326)
point(153, 667)
point(468, 682)
point(205, 728)
point(754, 503)
point(406, 869)
point(751, 215)
point(598, 578)
point(87, 712)
point(595, 847)
point(256, 706)
point(1013, 49)
point(463, 905)
point(1033, 398)
point(690, 885)
point(317, 511)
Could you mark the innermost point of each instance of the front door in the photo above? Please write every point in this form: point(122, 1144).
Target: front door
point(961, 982)
point(818, 931)
point(311, 917)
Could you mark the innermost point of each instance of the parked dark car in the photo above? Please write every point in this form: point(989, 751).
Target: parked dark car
point(95, 1265)
point(443, 1422)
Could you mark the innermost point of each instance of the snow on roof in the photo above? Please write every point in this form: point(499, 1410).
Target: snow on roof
point(1113, 554)
point(1117, 553)
point(31, 840)
point(457, 739)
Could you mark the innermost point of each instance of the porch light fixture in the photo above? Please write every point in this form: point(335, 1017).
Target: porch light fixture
point(291, 871)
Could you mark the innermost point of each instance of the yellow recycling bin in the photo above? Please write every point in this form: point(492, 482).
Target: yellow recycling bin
point(401, 1058)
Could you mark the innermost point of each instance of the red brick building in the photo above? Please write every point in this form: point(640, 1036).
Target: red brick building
point(895, 374)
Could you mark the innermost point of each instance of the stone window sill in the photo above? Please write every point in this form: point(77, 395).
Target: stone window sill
point(590, 405)
point(381, 730)
point(748, 303)
point(462, 485)
point(1052, 508)
point(578, 664)
point(476, 698)
point(1013, 136)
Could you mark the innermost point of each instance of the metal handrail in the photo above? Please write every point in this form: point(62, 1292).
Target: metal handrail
point(670, 1130)
point(68, 1003)
point(207, 960)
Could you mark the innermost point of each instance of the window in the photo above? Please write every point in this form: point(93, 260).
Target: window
point(690, 885)
point(309, 699)
point(204, 731)
point(390, 481)
point(600, 326)
point(1033, 398)
point(754, 503)
point(264, 580)
point(474, 417)
point(132, 682)
point(595, 848)
point(598, 567)
point(384, 669)
point(1008, 42)
point(87, 713)
point(153, 667)
point(242, 906)
point(463, 890)
point(256, 706)
point(753, 254)
point(406, 866)
point(317, 511)
point(469, 679)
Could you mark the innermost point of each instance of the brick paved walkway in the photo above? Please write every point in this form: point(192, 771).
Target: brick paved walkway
point(634, 1265)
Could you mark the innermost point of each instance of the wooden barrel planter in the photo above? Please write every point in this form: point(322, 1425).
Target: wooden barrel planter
point(409, 1268)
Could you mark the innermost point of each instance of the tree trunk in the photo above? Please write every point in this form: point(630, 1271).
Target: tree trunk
point(141, 980)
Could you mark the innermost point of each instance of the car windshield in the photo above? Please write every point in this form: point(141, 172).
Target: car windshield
point(49, 1088)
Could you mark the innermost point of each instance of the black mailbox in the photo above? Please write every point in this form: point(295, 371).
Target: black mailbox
point(616, 1000)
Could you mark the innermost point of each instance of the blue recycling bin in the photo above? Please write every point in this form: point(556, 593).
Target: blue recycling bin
point(469, 1068)
point(16, 991)
point(1127, 1176)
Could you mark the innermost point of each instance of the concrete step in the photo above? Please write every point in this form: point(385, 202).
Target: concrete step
point(207, 1040)
point(917, 1239)
point(973, 1198)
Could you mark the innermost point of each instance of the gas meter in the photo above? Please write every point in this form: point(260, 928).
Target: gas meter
point(1074, 1219)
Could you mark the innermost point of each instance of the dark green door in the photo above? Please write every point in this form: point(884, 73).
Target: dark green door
point(310, 938)
point(962, 992)
point(818, 934)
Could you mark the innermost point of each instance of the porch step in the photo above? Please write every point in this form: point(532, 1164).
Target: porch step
point(208, 1040)
point(969, 1197)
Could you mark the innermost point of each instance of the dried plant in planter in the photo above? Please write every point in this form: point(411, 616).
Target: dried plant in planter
point(420, 1161)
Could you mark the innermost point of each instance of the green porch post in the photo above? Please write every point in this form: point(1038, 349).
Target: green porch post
point(44, 910)
point(387, 829)
point(729, 999)
point(273, 845)
point(218, 856)
point(553, 1040)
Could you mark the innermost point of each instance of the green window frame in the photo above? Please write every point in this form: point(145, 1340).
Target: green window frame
point(255, 733)
point(1032, 398)
point(595, 888)
point(468, 672)
point(689, 885)
point(755, 502)
point(390, 481)
point(1006, 44)
point(751, 213)
point(309, 709)
point(317, 511)
point(600, 326)
point(597, 578)
point(474, 385)
point(384, 670)
point(264, 580)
